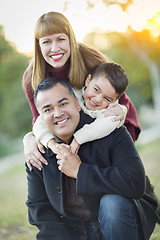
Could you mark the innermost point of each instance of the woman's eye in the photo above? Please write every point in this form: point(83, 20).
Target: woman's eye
point(45, 42)
point(61, 39)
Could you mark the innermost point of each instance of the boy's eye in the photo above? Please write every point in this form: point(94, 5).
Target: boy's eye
point(108, 99)
point(95, 89)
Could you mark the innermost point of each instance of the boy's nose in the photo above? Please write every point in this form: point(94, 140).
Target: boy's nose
point(98, 99)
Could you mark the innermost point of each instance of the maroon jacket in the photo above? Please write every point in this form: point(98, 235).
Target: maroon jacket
point(131, 121)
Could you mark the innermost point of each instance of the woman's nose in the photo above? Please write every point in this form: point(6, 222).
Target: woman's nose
point(54, 47)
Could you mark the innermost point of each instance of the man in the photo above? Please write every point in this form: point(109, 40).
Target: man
point(68, 197)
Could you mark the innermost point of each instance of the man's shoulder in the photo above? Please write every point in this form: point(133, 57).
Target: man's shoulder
point(84, 119)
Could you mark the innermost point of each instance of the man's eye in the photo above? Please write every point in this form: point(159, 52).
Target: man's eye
point(63, 104)
point(47, 110)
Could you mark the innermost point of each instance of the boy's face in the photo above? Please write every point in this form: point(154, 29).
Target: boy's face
point(99, 93)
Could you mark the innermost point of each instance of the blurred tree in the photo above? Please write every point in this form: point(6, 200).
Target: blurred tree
point(146, 45)
point(124, 4)
point(15, 117)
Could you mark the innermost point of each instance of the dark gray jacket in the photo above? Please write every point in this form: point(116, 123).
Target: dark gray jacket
point(110, 165)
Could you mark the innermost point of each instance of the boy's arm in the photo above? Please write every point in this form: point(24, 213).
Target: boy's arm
point(41, 133)
point(100, 128)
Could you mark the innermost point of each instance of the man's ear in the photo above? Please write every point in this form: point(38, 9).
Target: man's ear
point(88, 79)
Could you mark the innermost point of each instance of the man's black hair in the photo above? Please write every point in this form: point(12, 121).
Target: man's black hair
point(50, 82)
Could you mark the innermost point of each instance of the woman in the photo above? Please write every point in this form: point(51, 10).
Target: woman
point(57, 53)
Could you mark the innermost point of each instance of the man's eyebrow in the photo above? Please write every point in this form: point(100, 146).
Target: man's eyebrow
point(46, 106)
point(62, 99)
point(59, 101)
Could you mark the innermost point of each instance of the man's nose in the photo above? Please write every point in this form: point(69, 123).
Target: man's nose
point(57, 112)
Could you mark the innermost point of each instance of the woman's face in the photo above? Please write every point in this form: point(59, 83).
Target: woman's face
point(55, 49)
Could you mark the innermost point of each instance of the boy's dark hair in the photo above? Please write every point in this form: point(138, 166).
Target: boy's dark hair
point(115, 75)
point(50, 82)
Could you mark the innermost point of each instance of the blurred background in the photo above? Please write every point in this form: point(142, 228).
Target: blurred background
point(127, 32)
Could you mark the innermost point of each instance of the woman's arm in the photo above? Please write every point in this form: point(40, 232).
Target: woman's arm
point(131, 121)
point(26, 81)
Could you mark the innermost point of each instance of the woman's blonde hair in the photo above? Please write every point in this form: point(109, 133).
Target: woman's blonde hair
point(82, 59)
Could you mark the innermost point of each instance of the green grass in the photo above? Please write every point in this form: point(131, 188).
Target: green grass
point(13, 193)
point(150, 154)
point(13, 212)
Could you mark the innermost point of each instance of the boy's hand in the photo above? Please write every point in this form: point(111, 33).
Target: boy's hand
point(117, 110)
point(54, 146)
point(74, 146)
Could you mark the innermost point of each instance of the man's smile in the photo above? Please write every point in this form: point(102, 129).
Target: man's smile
point(61, 122)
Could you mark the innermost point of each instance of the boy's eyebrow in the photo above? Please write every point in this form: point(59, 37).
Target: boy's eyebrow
point(59, 101)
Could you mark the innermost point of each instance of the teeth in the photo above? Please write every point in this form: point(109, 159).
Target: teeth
point(56, 56)
point(92, 102)
point(63, 121)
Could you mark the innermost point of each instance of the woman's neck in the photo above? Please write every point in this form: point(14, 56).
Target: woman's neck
point(63, 68)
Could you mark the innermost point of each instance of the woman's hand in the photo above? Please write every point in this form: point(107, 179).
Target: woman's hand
point(117, 110)
point(32, 151)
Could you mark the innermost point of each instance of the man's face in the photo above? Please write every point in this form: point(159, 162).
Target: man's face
point(59, 111)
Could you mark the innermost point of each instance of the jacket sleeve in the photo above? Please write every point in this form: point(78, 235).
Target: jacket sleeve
point(40, 211)
point(100, 128)
point(131, 121)
point(124, 175)
point(41, 132)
